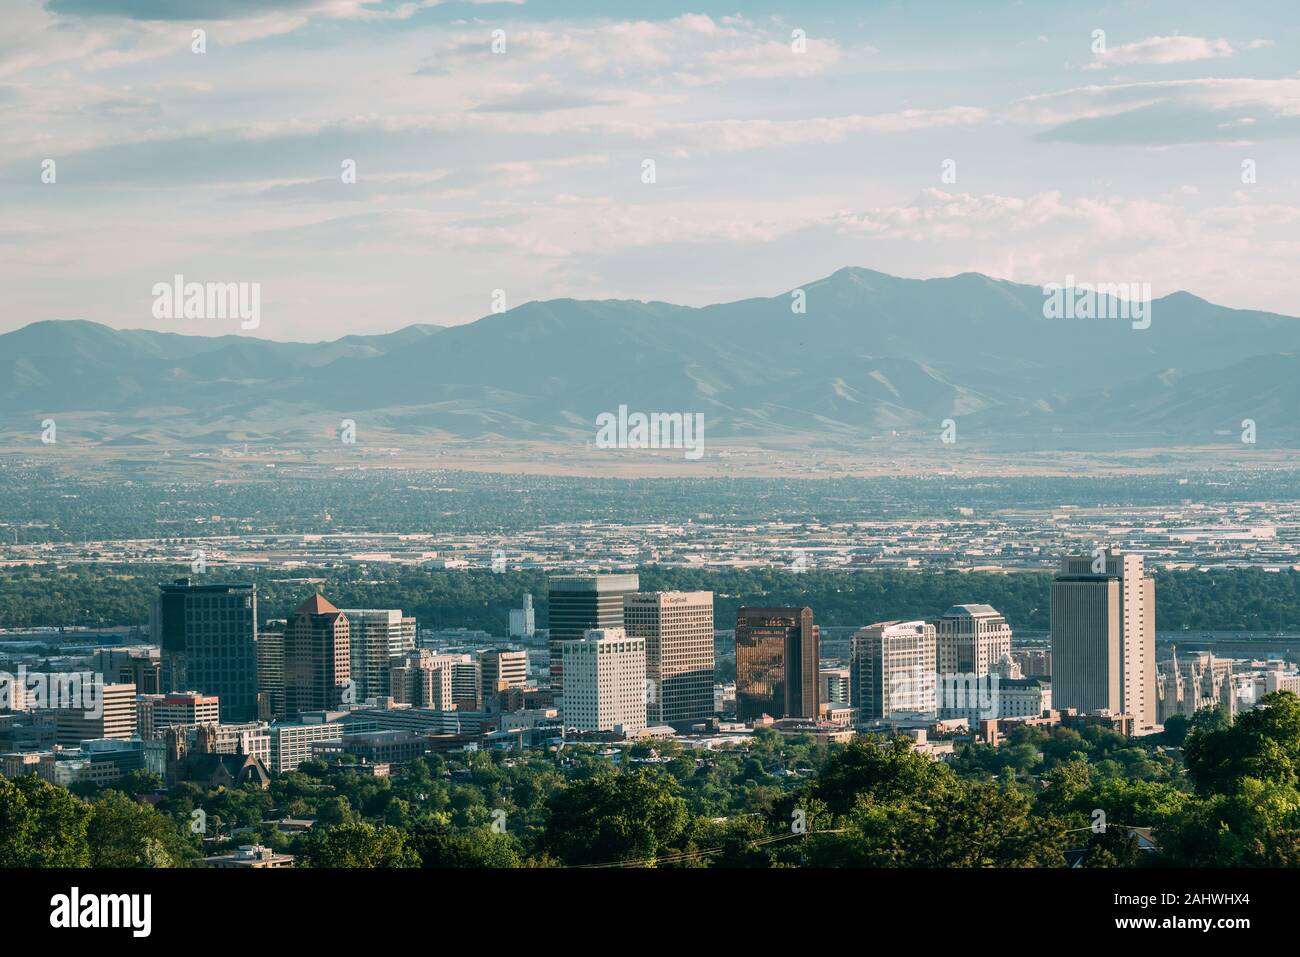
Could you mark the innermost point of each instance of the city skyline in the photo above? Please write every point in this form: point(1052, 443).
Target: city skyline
point(455, 437)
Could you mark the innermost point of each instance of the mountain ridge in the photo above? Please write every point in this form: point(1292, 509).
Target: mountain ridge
point(871, 353)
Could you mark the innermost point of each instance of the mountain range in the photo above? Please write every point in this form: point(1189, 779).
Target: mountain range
point(871, 354)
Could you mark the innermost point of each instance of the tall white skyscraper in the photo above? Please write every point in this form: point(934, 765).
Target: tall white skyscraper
point(1104, 637)
point(892, 670)
point(678, 630)
point(973, 640)
point(604, 681)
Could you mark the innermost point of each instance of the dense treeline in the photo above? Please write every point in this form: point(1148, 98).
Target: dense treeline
point(99, 595)
point(1227, 797)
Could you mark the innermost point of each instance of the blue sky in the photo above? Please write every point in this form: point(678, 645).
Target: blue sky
point(522, 170)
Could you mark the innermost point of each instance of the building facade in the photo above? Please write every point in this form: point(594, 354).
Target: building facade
point(1103, 637)
point(972, 639)
point(317, 657)
point(117, 720)
point(677, 628)
point(208, 637)
point(502, 668)
point(777, 658)
point(176, 710)
point(578, 603)
point(605, 682)
point(376, 635)
point(892, 670)
point(523, 621)
point(270, 670)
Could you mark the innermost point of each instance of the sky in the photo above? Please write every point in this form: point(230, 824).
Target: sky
point(1031, 141)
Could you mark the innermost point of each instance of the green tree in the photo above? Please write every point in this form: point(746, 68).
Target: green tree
point(884, 773)
point(357, 844)
point(1263, 743)
point(123, 833)
point(41, 825)
point(631, 815)
point(475, 847)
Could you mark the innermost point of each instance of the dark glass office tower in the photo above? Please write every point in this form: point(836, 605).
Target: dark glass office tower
point(208, 637)
point(777, 654)
point(579, 602)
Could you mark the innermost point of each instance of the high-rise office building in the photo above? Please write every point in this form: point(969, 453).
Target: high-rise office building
point(117, 719)
point(377, 634)
point(317, 657)
point(523, 621)
point(835, 685)
point(208, 636)
point(157, 712)
point(578, 603)
point(1103, 624)
point(677, 627)
point(972, 640)
point(423, 679)
point(777, 657)
point(501, 669)
point(270, 670)
point(892, 670)
point(467, 683)
point(605, 682)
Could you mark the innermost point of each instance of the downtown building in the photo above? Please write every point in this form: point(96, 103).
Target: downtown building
point(523, 621)
point(377, 634)
point(116, 720)
point(972, 640)
point(1103, 624)
point(422, 679)
point(835, 685)
point(578, 603)
point(1187, 685)
point(292, 742)
point(677, 627)
point(208, 640)
point(778, 653)
point(157, 712)
point(317, 657)
point(502, 669)
point(605, 682)
point(270, 670)
point(141, 666)
point(892, 671)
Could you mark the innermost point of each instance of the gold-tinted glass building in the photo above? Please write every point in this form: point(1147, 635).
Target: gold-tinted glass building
point(777, 653)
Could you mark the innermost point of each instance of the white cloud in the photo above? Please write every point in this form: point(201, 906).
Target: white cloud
point(1162, 50)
